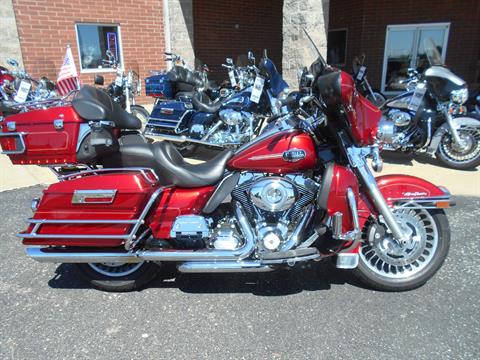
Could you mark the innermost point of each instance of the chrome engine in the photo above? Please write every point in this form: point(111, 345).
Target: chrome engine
point(394, 129)
point(233, 127)
point(275, 205)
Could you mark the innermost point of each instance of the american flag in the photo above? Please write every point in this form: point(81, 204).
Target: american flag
point(68, 77)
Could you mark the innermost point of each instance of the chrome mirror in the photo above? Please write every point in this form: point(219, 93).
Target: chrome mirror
point(251, 57)
point(12, 62)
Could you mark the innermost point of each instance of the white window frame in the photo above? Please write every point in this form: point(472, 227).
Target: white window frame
point(346, 41)
point(414, 57)
point(120, 48)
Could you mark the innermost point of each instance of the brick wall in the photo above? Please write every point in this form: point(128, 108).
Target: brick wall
point(231, 28)
point(367, 20)
point(45, 27)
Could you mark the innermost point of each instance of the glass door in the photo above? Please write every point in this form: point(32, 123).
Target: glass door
point(404, 48)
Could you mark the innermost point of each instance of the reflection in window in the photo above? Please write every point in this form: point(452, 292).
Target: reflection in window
point(337, 45)
point(93, 42)
point(405, 48)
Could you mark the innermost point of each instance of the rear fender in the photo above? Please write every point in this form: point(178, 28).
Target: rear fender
point(458, 123)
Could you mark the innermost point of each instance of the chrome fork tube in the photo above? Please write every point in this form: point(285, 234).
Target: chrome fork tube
point(453, 131)
point(377, 197)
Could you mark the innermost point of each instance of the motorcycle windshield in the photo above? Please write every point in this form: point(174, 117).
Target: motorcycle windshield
point(269, 71)
point(134, 77)
point(432, 52)
point(242, 60)
point(309, 60)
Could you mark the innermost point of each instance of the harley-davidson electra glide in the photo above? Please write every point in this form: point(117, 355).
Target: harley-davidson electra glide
point(301, 191)
point(431, 117)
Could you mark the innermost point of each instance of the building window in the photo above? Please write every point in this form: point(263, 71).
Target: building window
point(337, 47)
point(405, 48)
point(93, 42)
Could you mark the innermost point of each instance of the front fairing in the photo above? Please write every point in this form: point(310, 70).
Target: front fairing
point(275, 80)
point(441, 82)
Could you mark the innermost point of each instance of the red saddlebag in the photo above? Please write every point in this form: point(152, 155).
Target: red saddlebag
point(91, 210)
point(44, 136)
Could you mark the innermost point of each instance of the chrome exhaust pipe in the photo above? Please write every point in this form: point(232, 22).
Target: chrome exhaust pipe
point(223, 267)
point(62, 256)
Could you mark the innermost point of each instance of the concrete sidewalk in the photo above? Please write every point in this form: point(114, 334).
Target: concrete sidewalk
point(457, 182)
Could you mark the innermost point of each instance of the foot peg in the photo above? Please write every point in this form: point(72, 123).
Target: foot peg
point(347, 261)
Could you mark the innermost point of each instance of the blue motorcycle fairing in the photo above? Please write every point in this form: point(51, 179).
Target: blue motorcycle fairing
point(270, 72)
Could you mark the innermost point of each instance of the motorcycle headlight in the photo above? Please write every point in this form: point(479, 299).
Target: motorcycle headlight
point(459, 96)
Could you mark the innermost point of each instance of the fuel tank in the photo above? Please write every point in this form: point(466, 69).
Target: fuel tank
point(277, 153)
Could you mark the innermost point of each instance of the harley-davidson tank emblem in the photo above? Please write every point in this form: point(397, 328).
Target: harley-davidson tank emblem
point(294, 155)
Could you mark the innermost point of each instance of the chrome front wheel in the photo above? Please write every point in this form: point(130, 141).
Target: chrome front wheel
point(465, 156)
point(386, 265)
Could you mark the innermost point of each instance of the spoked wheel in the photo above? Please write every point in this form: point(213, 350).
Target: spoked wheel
point(119, 276)
point(386, 265)
point(466, 156)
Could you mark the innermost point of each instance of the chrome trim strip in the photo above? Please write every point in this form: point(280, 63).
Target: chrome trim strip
point(81, 196)
point(22, 143)
point(266, 157)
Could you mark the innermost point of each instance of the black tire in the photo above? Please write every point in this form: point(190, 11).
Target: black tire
point(383, 283)
point(141, 113)
point(449, 157)
point(133, 281)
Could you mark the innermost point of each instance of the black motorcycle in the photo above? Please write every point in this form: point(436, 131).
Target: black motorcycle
point(362, 84)
point(431, 117)
point(125, 88)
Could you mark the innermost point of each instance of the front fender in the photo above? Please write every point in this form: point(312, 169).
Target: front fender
point(402, 189)
point(458, 122)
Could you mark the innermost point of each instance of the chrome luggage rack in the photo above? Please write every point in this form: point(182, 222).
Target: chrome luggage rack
point(43, 104)
point(130, 239)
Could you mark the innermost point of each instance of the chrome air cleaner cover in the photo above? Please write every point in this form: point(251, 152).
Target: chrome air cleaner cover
point(273, 194)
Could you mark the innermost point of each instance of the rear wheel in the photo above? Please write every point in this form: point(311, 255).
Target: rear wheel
point(384, 265)
point(119, 277)
point(464, 157)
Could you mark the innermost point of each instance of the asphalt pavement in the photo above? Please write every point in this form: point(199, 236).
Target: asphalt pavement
point(48, 312)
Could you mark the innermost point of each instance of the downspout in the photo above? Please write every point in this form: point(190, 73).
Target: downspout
point(166, 25)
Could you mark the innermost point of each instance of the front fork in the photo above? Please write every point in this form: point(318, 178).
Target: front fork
point(453, 131)
point(357, 160)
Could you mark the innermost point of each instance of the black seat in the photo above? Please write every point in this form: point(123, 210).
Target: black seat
point(95, 105)
point(169, 164)
point(202, 102)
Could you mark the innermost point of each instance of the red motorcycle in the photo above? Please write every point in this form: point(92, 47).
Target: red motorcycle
point(301, 191)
